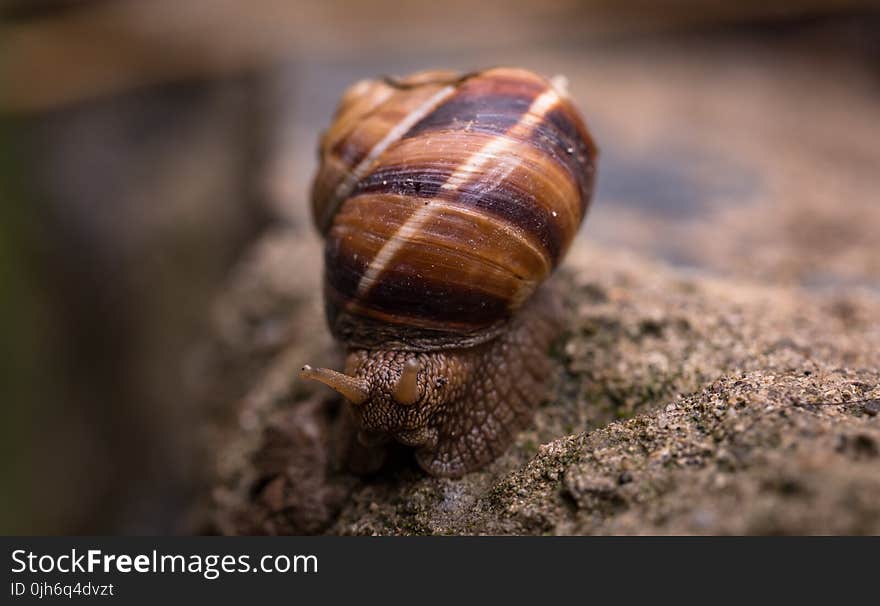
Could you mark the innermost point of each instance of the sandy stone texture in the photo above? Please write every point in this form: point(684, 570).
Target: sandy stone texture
point(684, 404)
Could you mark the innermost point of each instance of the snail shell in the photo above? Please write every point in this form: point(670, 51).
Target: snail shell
point(445, 200)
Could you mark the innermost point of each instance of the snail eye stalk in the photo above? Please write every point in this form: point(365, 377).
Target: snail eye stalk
point(353, 389)
point(406, 393)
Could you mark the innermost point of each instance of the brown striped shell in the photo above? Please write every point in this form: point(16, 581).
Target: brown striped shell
point(445, 200)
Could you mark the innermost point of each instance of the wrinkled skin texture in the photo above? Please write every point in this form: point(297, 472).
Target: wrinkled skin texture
point(472, 401)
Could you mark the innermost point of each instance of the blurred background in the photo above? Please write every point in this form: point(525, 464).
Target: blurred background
point(145, 145)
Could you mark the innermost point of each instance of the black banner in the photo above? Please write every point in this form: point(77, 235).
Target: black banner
point(290, 569)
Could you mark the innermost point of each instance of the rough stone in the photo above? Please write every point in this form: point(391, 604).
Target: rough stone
point(685, 403)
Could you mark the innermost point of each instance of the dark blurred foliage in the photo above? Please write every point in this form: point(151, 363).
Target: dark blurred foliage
point(145, 144)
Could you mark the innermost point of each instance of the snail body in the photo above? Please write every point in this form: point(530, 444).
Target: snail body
point(445, 201)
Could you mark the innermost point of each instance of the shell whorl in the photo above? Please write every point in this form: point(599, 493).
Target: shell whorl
point(445, 200)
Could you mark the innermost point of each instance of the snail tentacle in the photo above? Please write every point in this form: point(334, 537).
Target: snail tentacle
point(353, 389)
point(406, 393)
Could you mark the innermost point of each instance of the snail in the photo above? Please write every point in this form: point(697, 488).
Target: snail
point(445, 201)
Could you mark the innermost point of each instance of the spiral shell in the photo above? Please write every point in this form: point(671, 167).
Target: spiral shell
point(445, 200)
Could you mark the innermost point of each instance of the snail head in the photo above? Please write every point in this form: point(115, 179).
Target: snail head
point(395, 392)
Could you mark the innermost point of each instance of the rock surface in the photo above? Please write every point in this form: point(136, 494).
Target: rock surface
point(685, 404)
